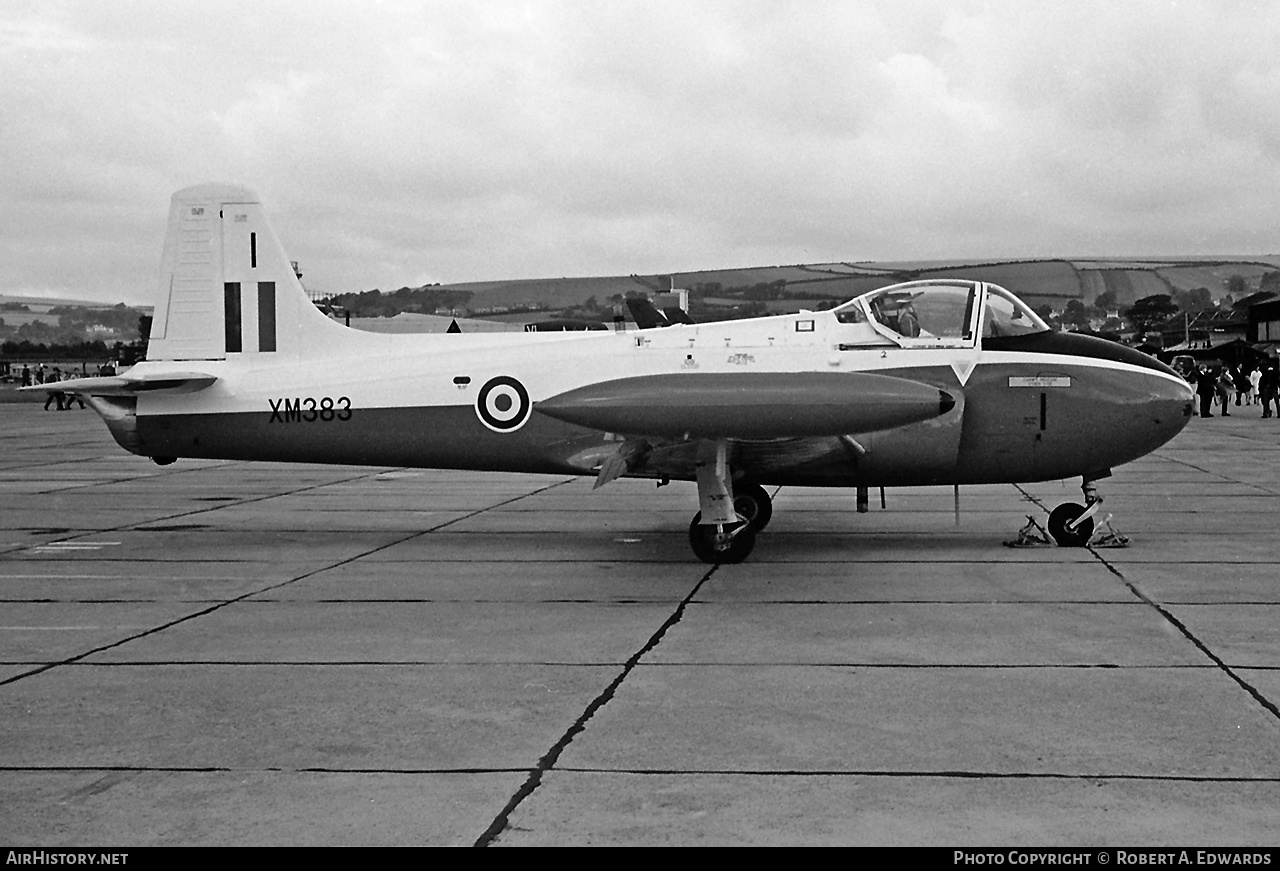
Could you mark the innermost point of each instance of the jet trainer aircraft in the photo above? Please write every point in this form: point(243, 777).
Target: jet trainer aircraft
point(928, 382)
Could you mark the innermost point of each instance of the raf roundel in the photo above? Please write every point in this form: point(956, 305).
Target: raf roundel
point(503, 404)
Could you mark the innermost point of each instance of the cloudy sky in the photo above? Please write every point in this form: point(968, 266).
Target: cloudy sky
point(402, 143)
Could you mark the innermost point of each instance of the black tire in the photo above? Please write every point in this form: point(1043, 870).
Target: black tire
point(752, 502)
point(712, 547)
point(1058, 520)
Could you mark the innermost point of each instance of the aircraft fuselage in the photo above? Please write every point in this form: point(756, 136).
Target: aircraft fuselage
point(1029, 409)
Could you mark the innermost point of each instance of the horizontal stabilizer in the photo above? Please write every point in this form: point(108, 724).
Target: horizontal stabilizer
point(129, 385)
point(765, 405)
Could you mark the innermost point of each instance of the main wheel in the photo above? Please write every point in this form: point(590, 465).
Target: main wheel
point(1058, 520)
point(752, 502)
point(715, 547)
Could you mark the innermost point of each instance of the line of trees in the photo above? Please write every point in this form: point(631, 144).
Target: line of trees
point(421, 300)
point(70, 324)
point(126, 353)
point(1150, 312)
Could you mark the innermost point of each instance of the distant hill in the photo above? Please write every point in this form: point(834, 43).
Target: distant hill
point(47, 302)
point(552, 293)
point(1052, 282)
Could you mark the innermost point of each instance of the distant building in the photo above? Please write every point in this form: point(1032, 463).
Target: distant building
point(1206, 329)
point(1264, 320)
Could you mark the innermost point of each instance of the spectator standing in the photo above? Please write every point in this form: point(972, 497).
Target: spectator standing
point(1225, 387)
point(1206, 388)
point(1268, 386)
point(1241, 379)
point(55, 395)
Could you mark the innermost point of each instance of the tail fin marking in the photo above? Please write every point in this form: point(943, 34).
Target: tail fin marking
point(227, 286)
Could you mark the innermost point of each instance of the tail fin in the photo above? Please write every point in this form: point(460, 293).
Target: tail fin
point(645, 313)
point(226, 286)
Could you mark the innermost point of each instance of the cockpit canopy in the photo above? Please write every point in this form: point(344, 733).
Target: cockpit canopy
point(942, 312)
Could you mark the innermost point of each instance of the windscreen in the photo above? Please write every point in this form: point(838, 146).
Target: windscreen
point(1008, 316)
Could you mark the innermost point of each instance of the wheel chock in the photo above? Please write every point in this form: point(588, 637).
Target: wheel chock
point(1106, 536)
point(1031, 535)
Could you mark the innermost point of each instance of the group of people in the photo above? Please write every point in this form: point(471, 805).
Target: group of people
point(64, 400)
point(1259, 384)
point(45, 375)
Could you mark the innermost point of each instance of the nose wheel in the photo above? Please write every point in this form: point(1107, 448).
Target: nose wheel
point(1072, 525)
point(1069, 526)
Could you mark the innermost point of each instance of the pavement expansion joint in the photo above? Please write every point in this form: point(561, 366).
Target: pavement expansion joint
point(1200, 645)
point(549, 759)
point(941, 774)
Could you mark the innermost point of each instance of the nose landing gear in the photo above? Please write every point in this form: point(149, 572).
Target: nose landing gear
point(1072, 525)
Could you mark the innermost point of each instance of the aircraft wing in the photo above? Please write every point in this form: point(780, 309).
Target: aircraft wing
point(671, 458)
point(129, 384)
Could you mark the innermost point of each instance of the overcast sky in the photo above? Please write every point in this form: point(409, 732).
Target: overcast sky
point(400, 143)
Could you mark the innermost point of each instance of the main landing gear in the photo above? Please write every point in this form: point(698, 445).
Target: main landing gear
point(724, 530)
point(719, 543)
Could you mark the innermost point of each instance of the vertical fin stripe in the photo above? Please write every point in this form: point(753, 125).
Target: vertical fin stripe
point(266, 315)
point(231, 309)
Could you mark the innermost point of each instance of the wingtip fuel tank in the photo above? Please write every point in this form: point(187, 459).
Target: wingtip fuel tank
point(753, 406)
